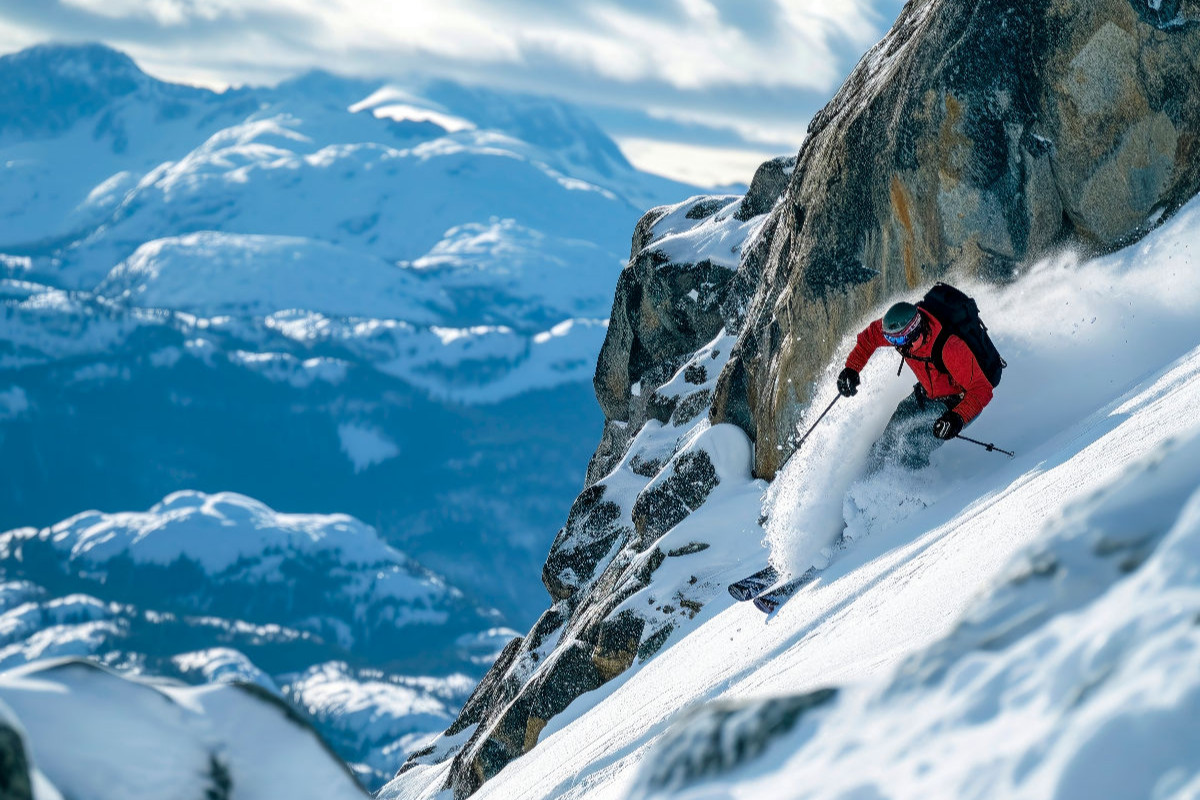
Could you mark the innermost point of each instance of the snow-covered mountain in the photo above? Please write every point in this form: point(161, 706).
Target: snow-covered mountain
point(314, 610)
point(334, 295)
point(996, 628)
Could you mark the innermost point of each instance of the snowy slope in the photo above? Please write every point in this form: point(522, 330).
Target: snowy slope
point(999, 628)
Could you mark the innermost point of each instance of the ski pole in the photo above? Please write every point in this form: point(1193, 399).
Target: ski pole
point(818, 422)
point(990, 447)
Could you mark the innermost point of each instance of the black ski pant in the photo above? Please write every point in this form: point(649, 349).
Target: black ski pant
point(908, 439)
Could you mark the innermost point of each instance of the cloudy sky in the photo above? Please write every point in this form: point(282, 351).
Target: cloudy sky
point(701, 90)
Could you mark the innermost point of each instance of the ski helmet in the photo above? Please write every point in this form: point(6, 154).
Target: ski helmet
point(901, 324)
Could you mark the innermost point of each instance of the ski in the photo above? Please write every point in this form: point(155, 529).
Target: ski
point(769, 600)
point(753, 585)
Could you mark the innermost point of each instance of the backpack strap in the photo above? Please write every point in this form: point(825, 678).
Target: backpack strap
point(935, 355)
point(939, 344)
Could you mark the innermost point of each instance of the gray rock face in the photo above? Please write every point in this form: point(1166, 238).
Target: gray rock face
point(973, 139)
point(770, 182)
point(655, 323)
point(599, 560)
point(665, 503)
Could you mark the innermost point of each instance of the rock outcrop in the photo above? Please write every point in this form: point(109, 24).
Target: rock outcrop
point(972, 140)
point(605, 616)
point(659, 460)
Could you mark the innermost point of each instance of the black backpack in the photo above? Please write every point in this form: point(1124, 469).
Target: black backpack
point(959, 316)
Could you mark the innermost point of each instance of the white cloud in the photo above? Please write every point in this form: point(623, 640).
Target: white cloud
point(704, 51)
point(164, 12)
point(13, 37)
point(756, 68)
point(450, 29)
point(688, 44)
point(695, 164)
point(752, 131)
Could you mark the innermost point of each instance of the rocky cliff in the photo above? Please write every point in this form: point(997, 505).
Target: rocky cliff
point(974, 139)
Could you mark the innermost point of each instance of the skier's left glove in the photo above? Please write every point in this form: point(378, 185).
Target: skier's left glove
point(948, 425)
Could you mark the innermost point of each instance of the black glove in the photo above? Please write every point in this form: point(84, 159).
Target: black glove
point(847, 383)
point(948, 425)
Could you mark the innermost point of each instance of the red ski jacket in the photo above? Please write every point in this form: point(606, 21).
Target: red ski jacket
point(963, 377)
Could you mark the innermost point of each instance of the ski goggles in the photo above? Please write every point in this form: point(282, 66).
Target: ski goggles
point(903, 337)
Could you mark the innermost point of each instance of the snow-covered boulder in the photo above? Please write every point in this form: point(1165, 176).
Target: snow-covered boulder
point(669, 301)
point(92, 733)
point(712, 741)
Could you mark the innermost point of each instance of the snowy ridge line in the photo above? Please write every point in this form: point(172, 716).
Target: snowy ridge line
point(299, 346)
point(302, 197)
point(231, 539)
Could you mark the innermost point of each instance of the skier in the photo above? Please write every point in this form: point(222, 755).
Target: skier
point(946, 345)
point(952, 388)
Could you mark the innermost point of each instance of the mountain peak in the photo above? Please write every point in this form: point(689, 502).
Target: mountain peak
point(92, 65)
point(46, 88)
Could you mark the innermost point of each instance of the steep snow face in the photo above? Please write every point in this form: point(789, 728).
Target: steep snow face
point(996, 628)
point(214, 589)
point(91, 733)
point(1074, 674)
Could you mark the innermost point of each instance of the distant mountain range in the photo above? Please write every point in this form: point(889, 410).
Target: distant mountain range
point(332, 295)
point(222, 589)
point(335, 296)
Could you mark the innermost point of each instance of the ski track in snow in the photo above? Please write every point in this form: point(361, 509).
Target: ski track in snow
point(905, 585)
